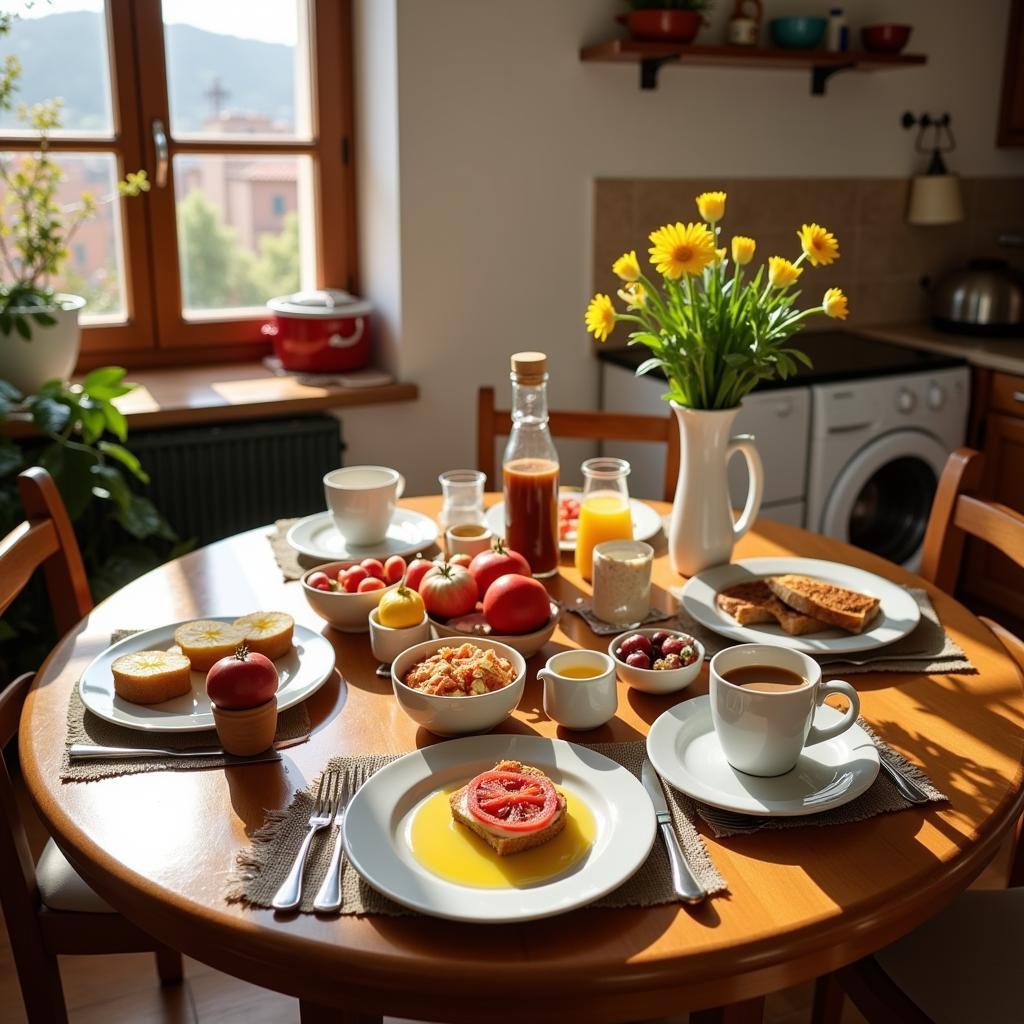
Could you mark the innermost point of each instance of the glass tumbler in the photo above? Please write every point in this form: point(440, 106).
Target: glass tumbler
point(622, 581)
point(462, 493)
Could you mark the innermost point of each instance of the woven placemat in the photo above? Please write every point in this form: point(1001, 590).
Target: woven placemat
point(293, 726)
point(262, 867)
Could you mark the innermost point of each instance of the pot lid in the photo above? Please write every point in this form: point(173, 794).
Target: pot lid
point(324, 304)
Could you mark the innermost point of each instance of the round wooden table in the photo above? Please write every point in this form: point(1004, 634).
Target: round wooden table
point(158, 847)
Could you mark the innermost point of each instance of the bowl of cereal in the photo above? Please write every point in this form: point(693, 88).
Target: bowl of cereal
point(454, 688)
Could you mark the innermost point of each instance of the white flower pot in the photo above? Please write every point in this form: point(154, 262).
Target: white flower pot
point(51, 352)
point(702, 531)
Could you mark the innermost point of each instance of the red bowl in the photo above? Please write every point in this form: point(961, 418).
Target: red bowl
point(662, 26)
point(885, 38)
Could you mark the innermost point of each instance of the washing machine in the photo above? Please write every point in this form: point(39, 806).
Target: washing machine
point(878, 446)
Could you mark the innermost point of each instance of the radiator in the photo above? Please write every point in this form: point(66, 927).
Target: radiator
point(213, 481)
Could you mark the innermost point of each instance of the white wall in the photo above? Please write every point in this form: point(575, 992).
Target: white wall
point(502, 130)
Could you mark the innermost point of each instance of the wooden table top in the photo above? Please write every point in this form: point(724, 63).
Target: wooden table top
point(158, 847)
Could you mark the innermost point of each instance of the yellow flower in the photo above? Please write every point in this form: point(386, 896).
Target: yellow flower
point(634, 295)
point(821, 246)
point(711, 206)
point(600, 317)
point(627, 266)
point(719, 257)
point(742, 250)
point(834, 304)
point(782, 273)
point(681, 249)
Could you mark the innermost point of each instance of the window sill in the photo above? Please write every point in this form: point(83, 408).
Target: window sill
point(186, 396)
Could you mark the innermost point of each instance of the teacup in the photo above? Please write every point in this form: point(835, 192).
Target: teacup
point(764, 731)
point(467, 539)
point(361, 500)
point(579, 689)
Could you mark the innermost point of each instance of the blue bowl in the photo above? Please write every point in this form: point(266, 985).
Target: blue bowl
point(797, 33)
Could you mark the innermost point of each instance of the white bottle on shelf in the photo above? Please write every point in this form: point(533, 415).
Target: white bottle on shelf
point(838, 35)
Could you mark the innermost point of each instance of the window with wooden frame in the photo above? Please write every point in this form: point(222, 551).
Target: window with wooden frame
point(240, 111)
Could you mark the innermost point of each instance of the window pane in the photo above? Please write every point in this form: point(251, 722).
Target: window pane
point(62, 47)
point(243, 229)
point(237, 67)
point(94, 267)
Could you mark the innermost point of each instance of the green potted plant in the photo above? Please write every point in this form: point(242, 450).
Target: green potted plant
point(39, 334)
point(665, 21)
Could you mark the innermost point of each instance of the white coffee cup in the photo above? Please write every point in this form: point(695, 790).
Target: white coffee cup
point(580, 703)
point(361, 500)
point(763, 732)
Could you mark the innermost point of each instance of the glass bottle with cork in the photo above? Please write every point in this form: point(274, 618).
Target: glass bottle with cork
point(530, 468)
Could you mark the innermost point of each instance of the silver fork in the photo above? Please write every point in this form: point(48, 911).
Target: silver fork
point(328, 899)
point(289, 895)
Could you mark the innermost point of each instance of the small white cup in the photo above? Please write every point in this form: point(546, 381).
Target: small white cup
point(361, 500)
point(764, 732)
point(467, 539)
point(387, 642)
point(579, 703)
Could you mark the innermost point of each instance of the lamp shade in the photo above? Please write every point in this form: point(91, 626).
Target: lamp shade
point(935, 199)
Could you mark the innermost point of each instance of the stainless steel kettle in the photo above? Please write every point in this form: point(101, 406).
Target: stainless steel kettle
point(985, 297)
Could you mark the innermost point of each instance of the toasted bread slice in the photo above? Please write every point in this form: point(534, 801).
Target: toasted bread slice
point(505, 846)
point(754, 602)
point(206, 641)
point(151, 677)
point(268, 633)
point(847, 609)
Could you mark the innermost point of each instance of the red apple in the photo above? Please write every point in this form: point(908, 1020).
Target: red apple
point(244, 679)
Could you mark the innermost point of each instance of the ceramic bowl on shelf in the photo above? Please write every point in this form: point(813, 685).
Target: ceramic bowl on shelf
point(651, 680)
point(662, 25)
point(885, 38)
point(346, 612)
point(797, 33)
point(457, 716)
point(469, 627)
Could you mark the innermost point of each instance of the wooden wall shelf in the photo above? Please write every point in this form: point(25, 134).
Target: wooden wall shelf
point(822, 65)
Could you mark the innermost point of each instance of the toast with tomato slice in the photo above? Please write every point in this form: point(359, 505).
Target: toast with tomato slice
point(505, 841)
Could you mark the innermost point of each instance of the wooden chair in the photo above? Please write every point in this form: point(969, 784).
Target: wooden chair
point(962, 964)
point(492, 423)
point(48, 908)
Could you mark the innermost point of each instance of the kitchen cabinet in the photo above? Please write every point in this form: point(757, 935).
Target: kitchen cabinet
point(1011, 108)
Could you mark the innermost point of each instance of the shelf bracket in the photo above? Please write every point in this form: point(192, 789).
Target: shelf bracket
point(649, 68)
point(820, 74)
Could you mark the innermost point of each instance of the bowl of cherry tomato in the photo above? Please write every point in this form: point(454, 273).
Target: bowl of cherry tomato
point(657, 660)
point(344, 593)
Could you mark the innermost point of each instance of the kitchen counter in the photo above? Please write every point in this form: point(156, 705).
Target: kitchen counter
point(1005, 355)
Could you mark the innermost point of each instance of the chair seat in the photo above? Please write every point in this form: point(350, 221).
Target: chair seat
point(963, 964)
point(63, 888)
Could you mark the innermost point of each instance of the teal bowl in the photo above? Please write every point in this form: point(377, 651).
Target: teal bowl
point(797, 33)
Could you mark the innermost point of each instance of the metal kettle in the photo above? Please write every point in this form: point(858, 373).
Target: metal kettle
point(985, 297)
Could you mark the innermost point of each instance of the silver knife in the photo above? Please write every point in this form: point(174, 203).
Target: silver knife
point(89, 752)
point(685, 883)
point(908, 789)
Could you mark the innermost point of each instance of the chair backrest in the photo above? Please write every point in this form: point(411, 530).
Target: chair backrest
point(596, 426)
point(957, 512)
point(46, 538)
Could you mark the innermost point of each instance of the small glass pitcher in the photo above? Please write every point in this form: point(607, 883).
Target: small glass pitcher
point(462, 492)
point(604, 509)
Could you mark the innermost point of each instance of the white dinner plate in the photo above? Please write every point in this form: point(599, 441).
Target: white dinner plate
point(646, 522)
point(379, 817)
point(684, 748)
point(317, 536)
point(897, 616)
point(302, 671)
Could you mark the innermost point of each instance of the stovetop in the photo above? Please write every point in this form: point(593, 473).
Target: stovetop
point(836, 356)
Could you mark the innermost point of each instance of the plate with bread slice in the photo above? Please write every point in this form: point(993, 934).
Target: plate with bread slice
point(499, 828)
point(155, 680)
point(807, 604)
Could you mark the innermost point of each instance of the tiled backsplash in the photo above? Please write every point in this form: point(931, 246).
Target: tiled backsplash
point(883, 258)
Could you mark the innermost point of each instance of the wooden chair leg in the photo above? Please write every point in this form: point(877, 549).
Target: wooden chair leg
point(750, 1011)
point(169, 965)
point(41, 988)
point(311, 1013)
point(828, 1000)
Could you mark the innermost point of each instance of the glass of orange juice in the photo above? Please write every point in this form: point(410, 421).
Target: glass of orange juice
point(604, 509)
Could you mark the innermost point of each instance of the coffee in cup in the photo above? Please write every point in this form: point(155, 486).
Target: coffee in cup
point(361, 500)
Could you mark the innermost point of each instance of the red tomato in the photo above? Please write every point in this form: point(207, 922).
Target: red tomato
point(512, 800)
point(500, 561)
point(369, 584)
point(418, 568)
point(374, 567)
point(516, 604)
point(447, 591)
point(319, 580)
point(351, 578)
point(244, 679)
point(394, 569)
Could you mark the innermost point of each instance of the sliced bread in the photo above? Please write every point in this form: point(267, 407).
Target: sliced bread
point(754, 602)
point(847, 609)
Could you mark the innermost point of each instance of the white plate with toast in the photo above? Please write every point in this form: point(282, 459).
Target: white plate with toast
point(379, 822)
point(895, 615)
point(302, 671)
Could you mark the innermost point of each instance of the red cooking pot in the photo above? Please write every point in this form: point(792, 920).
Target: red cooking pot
point(320, 332)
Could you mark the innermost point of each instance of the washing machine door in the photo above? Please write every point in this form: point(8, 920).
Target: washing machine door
point(882, 499)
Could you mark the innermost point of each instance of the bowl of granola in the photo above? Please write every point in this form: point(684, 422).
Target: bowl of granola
point(454, 688)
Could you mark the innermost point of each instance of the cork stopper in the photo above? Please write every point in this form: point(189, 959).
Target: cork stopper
point(530, 367)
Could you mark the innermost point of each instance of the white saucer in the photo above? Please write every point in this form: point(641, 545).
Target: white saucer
point(317, 537)
point(683, 746)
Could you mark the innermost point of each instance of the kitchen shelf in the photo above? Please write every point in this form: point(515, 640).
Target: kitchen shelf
point(822, 65)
